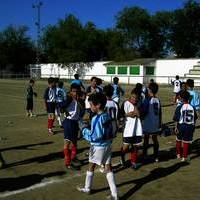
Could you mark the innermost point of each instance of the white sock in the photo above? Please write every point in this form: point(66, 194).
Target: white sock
point(59, 120)
point(88, 180)
point(111, 183)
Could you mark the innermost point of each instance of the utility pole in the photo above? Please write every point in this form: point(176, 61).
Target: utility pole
point(37, 23)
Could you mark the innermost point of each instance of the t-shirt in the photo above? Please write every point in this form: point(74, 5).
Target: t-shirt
point(177, 85)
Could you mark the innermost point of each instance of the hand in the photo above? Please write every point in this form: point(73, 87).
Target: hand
point(176, 130)
point(35, 94)
point(82, 124)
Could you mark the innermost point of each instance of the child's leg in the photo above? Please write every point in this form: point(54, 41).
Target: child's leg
point(178, 148)
point(111, 180)
point(88, 179)
point(145, 144)
point(50, 121)
point(155, 146)
point(134, 154)
point(124, 150)
point(186, 146)
point(74, 150)
point(67, 153)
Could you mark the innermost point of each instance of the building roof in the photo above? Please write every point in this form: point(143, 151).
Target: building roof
point(139, 61)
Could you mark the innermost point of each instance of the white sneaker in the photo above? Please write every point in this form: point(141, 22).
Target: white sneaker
point(185, 159)
point(110, 197)
point(83, 189)
point(102, 169)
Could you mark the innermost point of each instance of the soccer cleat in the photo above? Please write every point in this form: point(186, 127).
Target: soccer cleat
point(110, 197)
point(136, 166)
point(156, 160)
point(102, 169)
point(185, 159)
point(51, 131)
point(83, 189)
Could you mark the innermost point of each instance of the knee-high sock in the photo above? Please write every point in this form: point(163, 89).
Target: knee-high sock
point(88, 180)
point(186, 149)
point(74, 151)
point(134, 155)
point(67, 156)
point(50, 123)
point(155, 149)
point(178, 148)
point(111, 183)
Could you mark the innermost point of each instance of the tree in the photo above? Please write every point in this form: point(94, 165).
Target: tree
point(16, 49)
point(185, 36)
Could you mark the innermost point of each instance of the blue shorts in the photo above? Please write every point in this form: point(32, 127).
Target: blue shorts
point(51, 106)
point(135, 140)
point(29, 105)
point(185, 132)
point(70, 130)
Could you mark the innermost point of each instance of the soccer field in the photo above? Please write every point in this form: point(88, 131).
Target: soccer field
point(35, 167)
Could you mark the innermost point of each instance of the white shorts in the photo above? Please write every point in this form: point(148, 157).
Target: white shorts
point(100, 155)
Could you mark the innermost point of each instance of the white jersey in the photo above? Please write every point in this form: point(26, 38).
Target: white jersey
point(177, 86)
point(152, 118)
point(133, 126)
point(112, 109)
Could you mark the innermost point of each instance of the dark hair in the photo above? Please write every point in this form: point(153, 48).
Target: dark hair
point(108, 90)
point(60, 84)
point(94, 77)
point(115, 80)
point(75, 86)
point(76, 76)
point(56, 80)
point(153, 87)
point(151, 80)
point(99, 81)
point(31, 81)
point(50, 80)
point(177, 77)
point(185, 95)
point(190, 83)
point(98, 98)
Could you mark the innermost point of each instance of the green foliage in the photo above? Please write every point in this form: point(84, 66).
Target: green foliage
point(16, 49)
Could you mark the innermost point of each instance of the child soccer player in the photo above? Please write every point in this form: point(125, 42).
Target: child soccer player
point(177, 87)
point(29, 97)
point(61, 97)
point(185, 117)
point(100, 138)
point(132, 134)
point(70, 125)
point(151, 111)
point(194, 96)
point(50, 103)
point(78, 81)
point(117, 90)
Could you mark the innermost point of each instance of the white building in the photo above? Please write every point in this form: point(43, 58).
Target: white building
point(138, 70)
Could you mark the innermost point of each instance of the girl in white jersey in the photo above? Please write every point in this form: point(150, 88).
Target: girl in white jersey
point(151, 111)
point(132, 134)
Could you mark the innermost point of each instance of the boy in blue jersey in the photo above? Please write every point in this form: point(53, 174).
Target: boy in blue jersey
point(100, 138)
point(50, 103)
point(117, 90)
point(152, 118)
point(185, 117)
point(78, 81)
point(194, 95)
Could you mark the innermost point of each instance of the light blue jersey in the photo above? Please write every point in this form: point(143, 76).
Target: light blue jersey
point(195, 99)
point(98, 130)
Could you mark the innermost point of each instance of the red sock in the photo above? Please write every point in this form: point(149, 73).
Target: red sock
point(49, 124)
point(178, 148)
point(185, 149)
point(67, 156)
point(74, 151)
point(134, 155)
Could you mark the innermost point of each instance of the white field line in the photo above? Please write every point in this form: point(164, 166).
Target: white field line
point(40, 185)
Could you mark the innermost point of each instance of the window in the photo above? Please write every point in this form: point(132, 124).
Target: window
point(111, 70)
point(135, 70)
point(122, 70)
point(150, 70)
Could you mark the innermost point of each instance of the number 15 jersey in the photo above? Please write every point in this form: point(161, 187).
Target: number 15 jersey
point(185, 114)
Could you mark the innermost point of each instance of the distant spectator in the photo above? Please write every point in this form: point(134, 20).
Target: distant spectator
point(118, 91)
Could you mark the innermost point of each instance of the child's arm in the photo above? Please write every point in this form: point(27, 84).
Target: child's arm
point(134, 113)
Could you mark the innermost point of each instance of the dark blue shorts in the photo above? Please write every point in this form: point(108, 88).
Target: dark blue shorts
point(51, 106)
point(185, 132)
point(135, 140)
point(29, 105)
point(70, 129)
